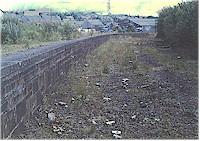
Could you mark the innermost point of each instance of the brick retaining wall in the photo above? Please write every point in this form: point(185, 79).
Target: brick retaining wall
point(26, 76)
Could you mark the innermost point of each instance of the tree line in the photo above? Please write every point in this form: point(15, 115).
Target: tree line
point(14, 31)
point(179, 24)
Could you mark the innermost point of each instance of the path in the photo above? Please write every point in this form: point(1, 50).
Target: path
point(128, 88)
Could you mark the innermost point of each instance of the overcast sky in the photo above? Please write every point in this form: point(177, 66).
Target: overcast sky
point(132, 7)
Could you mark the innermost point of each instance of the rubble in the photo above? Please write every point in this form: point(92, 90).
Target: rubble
point(156, 119)
point(116, 132)
point(94, 122)
point(106, 98)
point(142, 104)
point(86, 65)
point(133, 117)
point(117, 136)
point(62, 103)
point(51, 117)
point(110, 122)
point(98, 84)
point(125, 80)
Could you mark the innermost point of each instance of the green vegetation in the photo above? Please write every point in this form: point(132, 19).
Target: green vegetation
point(179, 24)
point(16, 33)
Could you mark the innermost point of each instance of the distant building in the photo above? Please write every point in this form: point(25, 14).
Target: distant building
point(86, 26)
point(96, 24)
point(147, 24)
point(36, 12)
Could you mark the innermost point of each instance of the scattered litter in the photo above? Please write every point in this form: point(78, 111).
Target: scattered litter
point(156, 119)
point(59, 133)
point(110, 122)
point(125, 80)
point(146, 119)
point(106, 98)
point(117, 136)
point(142, 104)
point(61, 129)
point(124, 86)
point(98, 84)
point(133, 117)
point(58, 129)
point(54, 127)
point(62, 103)
point(116, 132)
point(86, 65)
point(94, 122)
point(55, 130)
point(51, 117)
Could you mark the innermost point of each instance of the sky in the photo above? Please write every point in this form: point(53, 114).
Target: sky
point(132, 7)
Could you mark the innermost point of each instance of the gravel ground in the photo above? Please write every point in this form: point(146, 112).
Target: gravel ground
point(157, 99)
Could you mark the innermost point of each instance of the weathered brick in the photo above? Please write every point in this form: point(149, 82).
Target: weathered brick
point(26, 82)
point(21, 110)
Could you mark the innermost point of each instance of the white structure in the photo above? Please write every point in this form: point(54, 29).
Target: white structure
point(147, 24)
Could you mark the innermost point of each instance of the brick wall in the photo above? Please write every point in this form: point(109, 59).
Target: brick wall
point(26, 76)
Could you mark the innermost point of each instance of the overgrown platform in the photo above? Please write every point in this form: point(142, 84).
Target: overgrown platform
point(129, 88)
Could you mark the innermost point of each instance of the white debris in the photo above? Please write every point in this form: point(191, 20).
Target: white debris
point(59, 133)
point(125, 80)
point(124, 86)
point(178, 57)
point(106, 98)
point(62, 103)
point(56, 130)
point(133, 117)
point(98, 84)
point(73, 99)
point(110, 122)
point(61, 129)
point(117, 136)
point(94, 122)
point(156, 119)
point(54, 127)
point(51, 117)
point(116, 132)
point(66, 106)
point(86, 65)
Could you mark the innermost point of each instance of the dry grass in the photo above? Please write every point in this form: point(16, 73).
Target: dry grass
point(173, 63)
point(111, 57)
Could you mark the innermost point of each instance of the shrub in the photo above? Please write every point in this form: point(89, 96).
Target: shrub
point(11, 30)
point(14, 31)
point(179, 24)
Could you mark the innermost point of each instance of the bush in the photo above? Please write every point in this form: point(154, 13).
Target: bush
point(11, 30)
point(66, 30)
point(14, 31)
point(179, 24)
